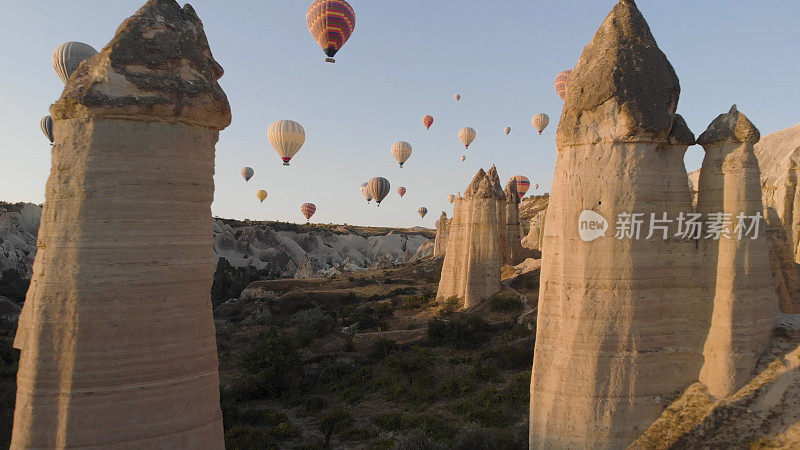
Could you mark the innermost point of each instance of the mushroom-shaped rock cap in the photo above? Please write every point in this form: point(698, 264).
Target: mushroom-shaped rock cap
point(157, 67)
point(625, 79)
point(733, 126)
point(680, 133)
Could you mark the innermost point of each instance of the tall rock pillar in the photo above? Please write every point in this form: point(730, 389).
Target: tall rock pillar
point(745, 303)
point(117, 335)
point(621, 322)
point(512, 234)
point(442, 228)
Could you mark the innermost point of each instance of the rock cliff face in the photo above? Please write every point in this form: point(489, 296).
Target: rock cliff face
point(745, 303)
point(19, 225)
point(778, 155)
point(117, 335)
point(471, 270)
point(442, 231)
point(621, 322)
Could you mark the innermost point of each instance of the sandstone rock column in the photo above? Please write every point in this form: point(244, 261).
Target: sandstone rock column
point(117, 335)
point(442, 229)
point(505, 249)
point(621, 322)
point(471, 268)
point(512, 234)
point(745, 304)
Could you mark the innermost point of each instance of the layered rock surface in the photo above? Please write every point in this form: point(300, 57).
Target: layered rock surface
point(621, 322)
point(471, 270)
point(116, 334)
point(442, 231)
point(745, 304)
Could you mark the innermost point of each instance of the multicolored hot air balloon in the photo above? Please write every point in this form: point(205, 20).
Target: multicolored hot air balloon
point(463, 158)
point(47, 128)
point(247, 173)
point(457, 97)
point(422, 212)
point(331, 23)
point(262, 195)
point(365, 192)
point(308, 210)
point(540, 121)
point(427, 121)
point(561, 83)
point(401, 150)
point(379, 189)
point(507, 130)
point(451, 198)
point(402, 191)
point(523, 184)
point(536, 186)
point(287, 137)
point(467, 136)
point(68, 55)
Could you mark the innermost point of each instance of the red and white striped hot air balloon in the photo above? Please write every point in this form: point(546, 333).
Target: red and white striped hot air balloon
point(561, 83)
point(427, 121)
point(402, 191)
point(308, 210)
point(523, 184)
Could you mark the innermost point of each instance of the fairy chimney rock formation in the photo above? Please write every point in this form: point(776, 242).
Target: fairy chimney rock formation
point(442, 228)
point(471, 269)
point(621, 320)
point(745, 304)
point(117, 335)
point(497, 188)
point(513, 238)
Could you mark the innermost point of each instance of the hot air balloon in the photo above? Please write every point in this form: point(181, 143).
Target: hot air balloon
point(422, 212)
point(331, 23)
point(536, 186)
point(308, 210)
point(401, 151)
point(540, 121)
point(247, 173)
point(457, 97)
point(365, 192)
point(561, 83)
point(451, 198)
point(287, 136)
point(262, 195)
point(47, 128)
point(68, 55)
point(427, 121)
point(379, 189)
point(402, 191)
point(523, 184)
point(507, 130)
point(467, 136)
point(463, 158)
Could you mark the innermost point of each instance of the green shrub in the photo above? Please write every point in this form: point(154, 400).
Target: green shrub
point(315, 404)
point(284, 431)
point(409, 362)
point(473, 437)
point(456, 386)
point(383, 347)
point(242, 437)
point(515, 356)
point(460, 331)
point(417, 302)
point(506, 303)
point(418, 440)
point(334, 421)
point(272, 365)
point(312, 324)
point(359, 434)
point(483, 372)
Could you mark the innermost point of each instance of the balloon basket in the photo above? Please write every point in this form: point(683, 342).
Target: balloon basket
point(286, 164)
point(330, 60)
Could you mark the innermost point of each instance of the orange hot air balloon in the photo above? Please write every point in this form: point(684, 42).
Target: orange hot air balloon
point(427, 121)
point(561, 83)
point(402, 191)
point(331, 23)
point(308, 210)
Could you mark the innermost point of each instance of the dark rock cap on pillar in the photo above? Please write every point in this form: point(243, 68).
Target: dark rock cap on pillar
point(733, 126)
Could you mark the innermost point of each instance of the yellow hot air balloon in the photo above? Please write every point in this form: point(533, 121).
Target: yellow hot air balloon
point(401, 151)
point(288, 137)
point(467, 136)
point(262, 195)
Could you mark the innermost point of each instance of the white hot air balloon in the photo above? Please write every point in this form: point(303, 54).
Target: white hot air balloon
point(68, 55)
point(540, 121)
point(247, 173)
point(288, 137)
point(401, 151)
point(467, 136)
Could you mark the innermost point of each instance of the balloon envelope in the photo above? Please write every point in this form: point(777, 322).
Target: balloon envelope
point(463, 158)
point(507, 130)
point(247, 173)
point(427, 121)
point(379, 188)
point(47, 128)
point(523, 184)
point(561, 83)
point(401, 151)
point(308, 210)
point(365, 192)
point(540, 121)
point(331, 23)
point(422, 212)
point(467, 136)
point(536, 186)
point(402, 191)
point(262, 195)
point(287, 137)
point(68, 55)
point(457, 97)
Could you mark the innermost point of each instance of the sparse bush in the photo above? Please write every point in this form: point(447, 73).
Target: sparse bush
point(284, 431)
point(242, 437)
point(515, 356)
point(315, 404)
point(417, 302)
point(272, 365)
point(460, 331)
point(334, 421)
point(418, 440)
point(506, 302)
point(473, 437)
point(359, 434)
point(483, 372)
point(313, 324)
point(383, 347)
point(456, 386)
point(408, 363)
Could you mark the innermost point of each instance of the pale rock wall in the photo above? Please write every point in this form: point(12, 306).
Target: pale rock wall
point(471, 268)
point(442, 232)
point(116, 334)
point(621, 322)
point(745, 304)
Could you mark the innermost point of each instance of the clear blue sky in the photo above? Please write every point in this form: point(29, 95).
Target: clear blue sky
point(406, 59)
